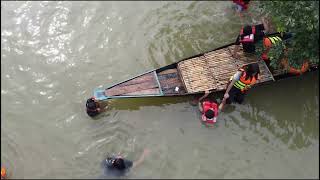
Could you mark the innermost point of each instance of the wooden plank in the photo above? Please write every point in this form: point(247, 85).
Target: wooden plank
point(172, 90)
point(169, 71)
point(138, 80)
point(130, 88)
point(181, 78)
point(170, 80)
point(143, 92)
point(167, 76)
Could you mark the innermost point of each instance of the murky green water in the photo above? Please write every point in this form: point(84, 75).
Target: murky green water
point(54, 53)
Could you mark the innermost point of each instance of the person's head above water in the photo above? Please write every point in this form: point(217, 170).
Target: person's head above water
point(209, 114)
point(119, 164)
point(115, 162)
point(91, 104)
point(92, 107)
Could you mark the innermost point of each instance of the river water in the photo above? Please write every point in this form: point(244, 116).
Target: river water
point(53, 54)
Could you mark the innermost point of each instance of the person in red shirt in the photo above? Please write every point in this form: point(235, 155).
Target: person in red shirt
point(241, 5)
point(209, 110)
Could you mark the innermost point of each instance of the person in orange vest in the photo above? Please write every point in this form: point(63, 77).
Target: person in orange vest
point(271, 41)
point(239, 84)
point(209, 110)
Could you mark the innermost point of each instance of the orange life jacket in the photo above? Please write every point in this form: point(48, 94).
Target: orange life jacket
point(244, 84)
point(268, 42)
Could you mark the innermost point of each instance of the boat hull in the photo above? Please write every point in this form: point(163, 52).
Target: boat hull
point(206, 71)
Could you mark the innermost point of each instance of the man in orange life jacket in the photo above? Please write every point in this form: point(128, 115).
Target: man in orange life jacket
point(209, 110)
point(271, 41)
point(239, 83)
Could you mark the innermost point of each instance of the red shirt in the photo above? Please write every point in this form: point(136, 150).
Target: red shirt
point(206, 105)
point(241, 3)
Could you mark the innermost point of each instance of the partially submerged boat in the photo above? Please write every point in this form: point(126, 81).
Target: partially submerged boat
point(206, 71)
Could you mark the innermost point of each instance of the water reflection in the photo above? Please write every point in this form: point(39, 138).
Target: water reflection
point(287, 117)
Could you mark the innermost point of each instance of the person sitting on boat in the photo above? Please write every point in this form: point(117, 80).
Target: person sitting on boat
point(116, 165)
point(248, 36)
point(93, 107)
point(209, 110)
point(239, 84)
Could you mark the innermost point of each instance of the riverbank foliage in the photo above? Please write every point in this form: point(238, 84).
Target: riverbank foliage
point(302, 19)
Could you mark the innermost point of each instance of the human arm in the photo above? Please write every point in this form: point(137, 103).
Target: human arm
point(226, 94)
point(141, 159)
point(206, 93)
point(234, 79)
point(200, 106)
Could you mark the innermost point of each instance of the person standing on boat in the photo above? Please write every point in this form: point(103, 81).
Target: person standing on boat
point(116, 165)
point(249, 35)
point(93, 107)
point(209, 110)
point(239, 84)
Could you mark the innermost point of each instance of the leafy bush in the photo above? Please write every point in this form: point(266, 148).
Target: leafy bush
point(302, 19)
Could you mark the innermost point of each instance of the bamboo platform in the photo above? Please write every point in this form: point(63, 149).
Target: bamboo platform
point(213, 70)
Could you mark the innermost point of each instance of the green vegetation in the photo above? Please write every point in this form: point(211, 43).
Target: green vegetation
point(302, 19)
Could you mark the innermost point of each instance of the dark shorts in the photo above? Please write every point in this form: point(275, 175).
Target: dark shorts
point(235, 95)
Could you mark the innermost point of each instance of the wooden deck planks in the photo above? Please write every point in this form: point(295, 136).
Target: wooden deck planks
point(169, 80)
point(144, 84)
point(213, 70)
point(145, 92)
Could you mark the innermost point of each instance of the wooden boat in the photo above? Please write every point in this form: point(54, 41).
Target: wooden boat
point(206, 71)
